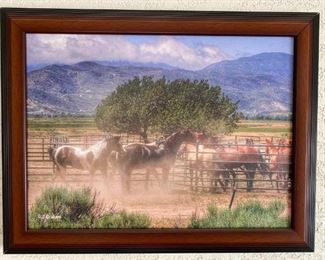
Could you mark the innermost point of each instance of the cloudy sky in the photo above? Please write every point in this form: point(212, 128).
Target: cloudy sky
point(188, 52)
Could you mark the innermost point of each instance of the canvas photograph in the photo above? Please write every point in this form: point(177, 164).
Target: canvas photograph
point(159, 131)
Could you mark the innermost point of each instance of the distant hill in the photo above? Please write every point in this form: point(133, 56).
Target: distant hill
point(262, 83)
point(123, 63)
point(32, 67)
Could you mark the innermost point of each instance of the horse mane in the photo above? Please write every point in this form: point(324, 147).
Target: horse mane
point(168, 138)
point(172, 140)
point(97, 147)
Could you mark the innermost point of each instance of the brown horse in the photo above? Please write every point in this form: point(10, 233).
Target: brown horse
point(144, 156)
point(92, 159)
point(222, 161)
point(279, 158)
point(247, 158)
point(114, 158)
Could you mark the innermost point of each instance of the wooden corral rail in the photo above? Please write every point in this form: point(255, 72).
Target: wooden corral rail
point(185, 174)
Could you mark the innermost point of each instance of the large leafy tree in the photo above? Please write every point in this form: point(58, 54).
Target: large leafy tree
point(145, 105)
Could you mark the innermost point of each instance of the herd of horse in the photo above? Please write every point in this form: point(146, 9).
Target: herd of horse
point(202, 153)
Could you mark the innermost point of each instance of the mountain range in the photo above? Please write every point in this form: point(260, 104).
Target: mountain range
point(261, 83)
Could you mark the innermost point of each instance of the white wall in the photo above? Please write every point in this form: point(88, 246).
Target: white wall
point(212, 5)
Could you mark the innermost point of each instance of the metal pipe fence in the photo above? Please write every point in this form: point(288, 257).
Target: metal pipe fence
point(196, 174)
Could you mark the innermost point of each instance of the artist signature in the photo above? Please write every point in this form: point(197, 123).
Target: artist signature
point(47, 216)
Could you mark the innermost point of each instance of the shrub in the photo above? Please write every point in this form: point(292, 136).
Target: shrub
point(248, 215)
point(123, 220)
point(62, 208)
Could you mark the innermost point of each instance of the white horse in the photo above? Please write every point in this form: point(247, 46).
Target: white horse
point(92, 159)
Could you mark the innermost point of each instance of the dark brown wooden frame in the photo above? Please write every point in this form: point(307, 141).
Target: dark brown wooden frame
point(15, 23)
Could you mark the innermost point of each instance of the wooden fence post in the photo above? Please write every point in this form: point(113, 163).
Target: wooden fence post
point(232, 197)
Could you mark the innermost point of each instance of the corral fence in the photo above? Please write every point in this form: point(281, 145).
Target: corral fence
point(211, 174)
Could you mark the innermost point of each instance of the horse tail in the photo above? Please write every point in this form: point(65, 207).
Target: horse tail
point(51, 151)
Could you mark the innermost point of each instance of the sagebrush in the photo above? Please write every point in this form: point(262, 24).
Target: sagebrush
point(247, 215)
point(62, 208)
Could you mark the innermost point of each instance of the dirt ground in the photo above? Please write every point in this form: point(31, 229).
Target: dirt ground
point(167, 208)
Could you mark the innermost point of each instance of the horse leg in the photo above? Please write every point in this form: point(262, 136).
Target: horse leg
point(224, 184)
point(55, 170)
point(165, 177)
point(93, 166)
point(106, 174)
point(271, 179)
point(280, 180)
point(247, 177)
point(234, 178)
point(128, 179)
point(277, 180)
point(191, 174)
point(225, 175)
point(146, 184)
point(218, 176)
point(155, 173)
point(103, 167)
point(200, 178)
point(250, 175)
point(92, 172)
point(210, 177)
point(125, 179)
point(61, 170)
point(215, 180)
point(114, 169)
point(283, 178)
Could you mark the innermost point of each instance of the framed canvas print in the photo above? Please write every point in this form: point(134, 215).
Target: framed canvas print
point(136, 131)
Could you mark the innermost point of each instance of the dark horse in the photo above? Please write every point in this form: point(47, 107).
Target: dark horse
point(247, 158)
point(151, 156)
point(92, 159)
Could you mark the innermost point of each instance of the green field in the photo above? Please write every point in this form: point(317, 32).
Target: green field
point(263, 130)
point(60, 122)
point(88, 123)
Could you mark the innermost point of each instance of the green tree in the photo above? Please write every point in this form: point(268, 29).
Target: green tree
point(145, 105)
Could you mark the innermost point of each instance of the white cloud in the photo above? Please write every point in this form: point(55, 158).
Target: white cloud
point(72, 48)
